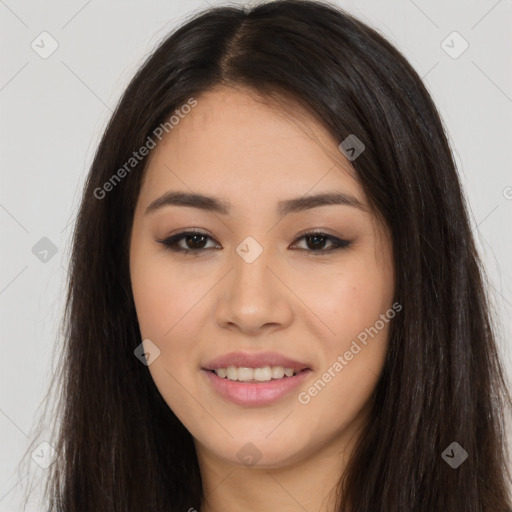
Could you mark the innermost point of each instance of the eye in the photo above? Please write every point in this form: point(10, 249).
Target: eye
point(316, 241)
point(194, 242)
point(189, 242)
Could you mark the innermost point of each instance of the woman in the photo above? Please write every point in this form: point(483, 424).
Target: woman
point(275, 301)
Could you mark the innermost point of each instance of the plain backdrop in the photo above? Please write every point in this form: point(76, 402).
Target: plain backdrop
point(53, 109)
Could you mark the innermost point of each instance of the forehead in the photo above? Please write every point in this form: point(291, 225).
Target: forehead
point(233, 141)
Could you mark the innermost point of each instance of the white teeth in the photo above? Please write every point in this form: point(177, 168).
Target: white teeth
point(277, 372)
point(263, 374)
point(221, 372)
point(245, 373)
point(232, 373)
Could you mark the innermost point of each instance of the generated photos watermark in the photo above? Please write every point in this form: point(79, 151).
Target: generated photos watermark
point(143, 151)
point(305, 397)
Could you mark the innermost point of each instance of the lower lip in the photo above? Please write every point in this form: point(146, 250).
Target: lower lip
point(255, 393)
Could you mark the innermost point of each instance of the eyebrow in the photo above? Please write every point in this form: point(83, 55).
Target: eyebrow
point(214, 204)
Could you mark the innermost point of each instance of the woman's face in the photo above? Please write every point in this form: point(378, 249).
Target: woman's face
point(260, 287)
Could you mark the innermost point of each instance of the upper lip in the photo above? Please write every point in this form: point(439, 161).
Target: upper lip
point(254, 360)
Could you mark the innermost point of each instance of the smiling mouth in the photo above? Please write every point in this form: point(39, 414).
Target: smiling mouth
point(253, 392)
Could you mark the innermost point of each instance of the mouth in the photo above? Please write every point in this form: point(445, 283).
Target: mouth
point(260, 366)
point(252, 392)
point(254, 378)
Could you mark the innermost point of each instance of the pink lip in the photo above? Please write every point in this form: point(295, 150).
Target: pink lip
point(256, 360)
point(254, 393)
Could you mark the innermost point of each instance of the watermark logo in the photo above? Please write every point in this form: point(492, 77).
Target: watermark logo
point(249, 249)
point(454, 45)
point(454, 455)
point(44, 250)
point(249, 454)
point(351, 147)
point(44, 455)
point(147, 352)
point(45, 45)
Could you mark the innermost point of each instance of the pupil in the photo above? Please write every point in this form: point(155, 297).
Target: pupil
point(192, 237)
point(316, 244)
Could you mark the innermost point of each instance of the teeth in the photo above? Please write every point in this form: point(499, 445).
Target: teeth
point(277, 372)
point(221, 372)
point(288, 372)
point(264, 374)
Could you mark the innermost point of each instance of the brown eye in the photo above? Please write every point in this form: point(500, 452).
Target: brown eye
point(195, 241)
point(187, 242)
point(315, 242)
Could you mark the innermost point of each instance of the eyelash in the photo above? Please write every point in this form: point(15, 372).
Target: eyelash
point(171, 243)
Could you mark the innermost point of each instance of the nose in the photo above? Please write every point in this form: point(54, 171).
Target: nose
point(253, 296)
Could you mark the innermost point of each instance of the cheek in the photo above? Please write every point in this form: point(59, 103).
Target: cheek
point(350, 303)
point(167, 306)
point(348, 300)
point(163, 295)
point(162, 304)
point(353, 360)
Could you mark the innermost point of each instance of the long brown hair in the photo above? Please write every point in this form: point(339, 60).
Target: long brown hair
point(121, 448)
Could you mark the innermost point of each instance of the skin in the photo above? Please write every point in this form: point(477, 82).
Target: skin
point(292, 300)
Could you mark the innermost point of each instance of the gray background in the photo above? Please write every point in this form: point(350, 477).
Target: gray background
point(54, 109)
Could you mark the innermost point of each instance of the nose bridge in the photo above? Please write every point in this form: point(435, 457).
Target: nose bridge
point(251, 275)
point(251, 297)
